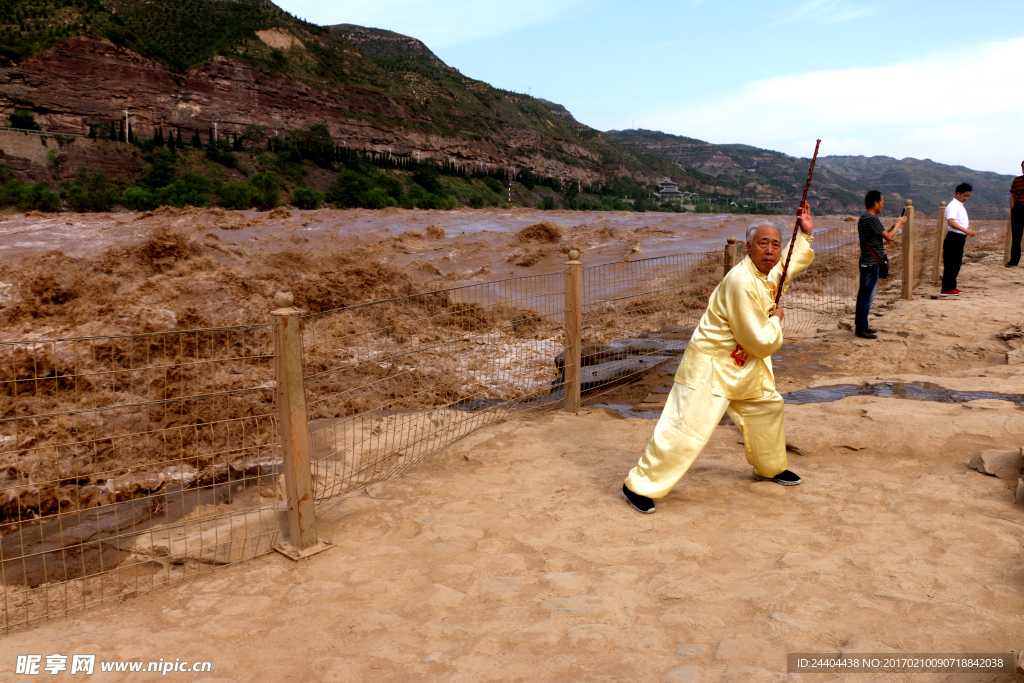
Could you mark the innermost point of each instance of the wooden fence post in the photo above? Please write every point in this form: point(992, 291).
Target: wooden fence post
point(291, 411)
point(1009, 237)
point(730, 256)
point(573, 331)
point(908, 252)
point(940, 236)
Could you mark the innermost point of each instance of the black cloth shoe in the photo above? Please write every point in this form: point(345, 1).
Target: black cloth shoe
point(865, 333)
point(1011, 265)
point(786, 478)
point(637, 502)
point(872, 330)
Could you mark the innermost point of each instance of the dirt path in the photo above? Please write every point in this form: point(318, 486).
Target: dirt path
point(511, 556)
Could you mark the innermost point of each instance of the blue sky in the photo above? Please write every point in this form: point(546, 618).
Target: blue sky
point(936, 79)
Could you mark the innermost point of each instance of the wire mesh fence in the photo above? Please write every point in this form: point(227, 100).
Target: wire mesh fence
point(392, 382)
point(132, 462)
point(639, 314)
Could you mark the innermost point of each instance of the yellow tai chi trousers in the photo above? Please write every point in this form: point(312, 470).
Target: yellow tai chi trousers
point(686, 426)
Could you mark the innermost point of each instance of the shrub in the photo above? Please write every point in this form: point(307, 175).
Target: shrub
point(377, 198)
point(314, 144)
point(428, 176)
point(348, 190)
point(254, 135)
point(393, 186)
point(90, 192)
point(24, 119)
point(10, 192)
point(219, 152)
point(139, 199)
point(306, 197)
point(266, 193)
point(476, 200)
point(162, 169)
point(28, 197)
point(494, 184)
point(419, 197)
point(527, 178)
point(236, 195)
point(38, 197)
point(548, 204)
point(191, 189)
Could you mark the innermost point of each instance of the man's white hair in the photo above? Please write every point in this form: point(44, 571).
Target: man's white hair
point(757, 224)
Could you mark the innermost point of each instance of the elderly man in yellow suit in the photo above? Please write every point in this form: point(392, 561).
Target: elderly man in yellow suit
point(727, 368)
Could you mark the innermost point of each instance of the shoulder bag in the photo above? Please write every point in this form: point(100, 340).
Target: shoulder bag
point(883, 266)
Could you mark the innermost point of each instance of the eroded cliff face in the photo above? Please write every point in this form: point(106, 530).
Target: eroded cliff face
point(87, 80)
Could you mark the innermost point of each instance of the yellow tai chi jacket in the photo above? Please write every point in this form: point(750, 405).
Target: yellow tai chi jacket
point(739, 318)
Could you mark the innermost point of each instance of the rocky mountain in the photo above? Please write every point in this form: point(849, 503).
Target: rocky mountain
point(194, 63)
point(924, 180)
point(377, 43)
point(840, 182)
point(229, 64)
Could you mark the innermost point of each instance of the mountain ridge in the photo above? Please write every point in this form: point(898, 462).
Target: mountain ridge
point(188, 63)
point(840, 180)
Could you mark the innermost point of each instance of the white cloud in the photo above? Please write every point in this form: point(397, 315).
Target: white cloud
point(957, 107)
point(436, 24)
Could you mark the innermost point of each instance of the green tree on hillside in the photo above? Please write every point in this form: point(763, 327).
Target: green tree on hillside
point(24, 119)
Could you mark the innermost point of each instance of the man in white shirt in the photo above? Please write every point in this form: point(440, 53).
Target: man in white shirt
point(958, 228)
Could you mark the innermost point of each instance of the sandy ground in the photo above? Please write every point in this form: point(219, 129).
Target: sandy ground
point(511, 556)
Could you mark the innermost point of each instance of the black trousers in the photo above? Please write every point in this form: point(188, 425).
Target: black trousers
point(952, 257)
point(1016, 232)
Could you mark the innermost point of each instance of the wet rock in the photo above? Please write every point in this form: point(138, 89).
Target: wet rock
point(1002, 464)
point(684, 330)
point(990, 404)
point(684, 674)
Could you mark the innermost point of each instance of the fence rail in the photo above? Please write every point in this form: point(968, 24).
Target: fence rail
point(132, 462)
point(43, 132)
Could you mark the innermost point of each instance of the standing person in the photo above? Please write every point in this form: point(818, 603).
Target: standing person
point(958, 228)
point(727, 368)
point(1016, 217)
point(872, 256)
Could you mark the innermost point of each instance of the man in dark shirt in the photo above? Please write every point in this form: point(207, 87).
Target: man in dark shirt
point(872, 255)
point(1016, 218)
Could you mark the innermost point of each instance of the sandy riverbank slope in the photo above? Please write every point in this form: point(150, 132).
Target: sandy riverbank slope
point(511, 556)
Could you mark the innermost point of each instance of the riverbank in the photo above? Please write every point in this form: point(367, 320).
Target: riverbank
point(511, 557)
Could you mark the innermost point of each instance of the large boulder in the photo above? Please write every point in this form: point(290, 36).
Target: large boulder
point(1002, 464)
